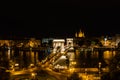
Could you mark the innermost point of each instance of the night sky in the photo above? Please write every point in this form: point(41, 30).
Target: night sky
point(95, 18)
point(63, 18)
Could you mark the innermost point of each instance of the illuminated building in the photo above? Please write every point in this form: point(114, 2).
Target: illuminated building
point(79, 34)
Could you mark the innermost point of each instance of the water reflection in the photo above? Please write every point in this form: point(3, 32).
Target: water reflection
point(10, 57)
point(107, 55)
point(92, 58)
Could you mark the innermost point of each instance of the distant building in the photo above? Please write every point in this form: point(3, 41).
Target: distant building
point(47, 40)
point(80, 34)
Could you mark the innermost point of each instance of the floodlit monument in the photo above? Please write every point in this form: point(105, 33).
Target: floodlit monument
point(79, 34)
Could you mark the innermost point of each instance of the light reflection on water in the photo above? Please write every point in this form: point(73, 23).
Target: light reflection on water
point(92, 58)
point(25, 58)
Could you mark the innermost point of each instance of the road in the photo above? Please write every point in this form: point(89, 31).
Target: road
point(39, 73)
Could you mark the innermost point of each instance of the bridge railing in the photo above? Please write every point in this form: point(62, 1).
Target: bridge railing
point(61, 54)
point(50, 56)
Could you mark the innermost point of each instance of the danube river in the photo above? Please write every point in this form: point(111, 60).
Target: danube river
point(23, 58)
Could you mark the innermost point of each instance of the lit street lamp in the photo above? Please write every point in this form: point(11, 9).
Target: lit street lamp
point(99, 67)
point(33, 75)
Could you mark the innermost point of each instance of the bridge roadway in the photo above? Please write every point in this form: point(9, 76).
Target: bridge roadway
point(47, 74)
point(54, 57)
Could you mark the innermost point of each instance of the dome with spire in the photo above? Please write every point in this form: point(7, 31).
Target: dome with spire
point(79, 34)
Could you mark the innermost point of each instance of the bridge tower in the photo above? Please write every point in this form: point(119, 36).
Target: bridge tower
point(58, 43)
point(70, 43)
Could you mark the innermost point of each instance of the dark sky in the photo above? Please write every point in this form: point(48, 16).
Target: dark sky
point(62, 18)
point(96, 18)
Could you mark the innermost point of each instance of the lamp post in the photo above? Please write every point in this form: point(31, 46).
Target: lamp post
point(105, 39)
point(99, 68)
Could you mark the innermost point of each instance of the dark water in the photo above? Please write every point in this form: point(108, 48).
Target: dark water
point(93, 58)
point(23, 58)
point(11, 57)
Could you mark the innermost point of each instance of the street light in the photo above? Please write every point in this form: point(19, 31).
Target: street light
point(105, 41)
point(99, 66)
point(33, 75)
